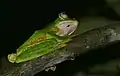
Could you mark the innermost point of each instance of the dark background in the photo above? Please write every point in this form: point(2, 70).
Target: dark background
point(19, 19)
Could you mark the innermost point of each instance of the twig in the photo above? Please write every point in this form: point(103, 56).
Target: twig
point(81, 44)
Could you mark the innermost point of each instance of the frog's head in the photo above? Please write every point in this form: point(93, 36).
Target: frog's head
point(64, 25)
point(12, 58)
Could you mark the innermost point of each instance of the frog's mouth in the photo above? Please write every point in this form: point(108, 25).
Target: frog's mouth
point(67, 27)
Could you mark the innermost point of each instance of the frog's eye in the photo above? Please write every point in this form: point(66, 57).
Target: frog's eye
point(63, 16)
point(67, 27)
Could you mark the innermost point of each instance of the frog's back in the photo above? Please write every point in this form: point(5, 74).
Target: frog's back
point(39, 35)
point(37, 50)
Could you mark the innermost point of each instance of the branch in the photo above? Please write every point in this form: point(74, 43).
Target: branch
point(81, 44)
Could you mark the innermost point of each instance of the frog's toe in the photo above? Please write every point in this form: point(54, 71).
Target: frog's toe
point(12, 58)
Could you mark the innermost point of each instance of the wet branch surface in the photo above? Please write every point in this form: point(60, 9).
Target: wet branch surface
point(82, 43)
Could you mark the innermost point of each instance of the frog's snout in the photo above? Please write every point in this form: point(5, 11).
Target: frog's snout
point(12, 58)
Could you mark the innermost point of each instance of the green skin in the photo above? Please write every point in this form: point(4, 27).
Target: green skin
point(53, 37)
